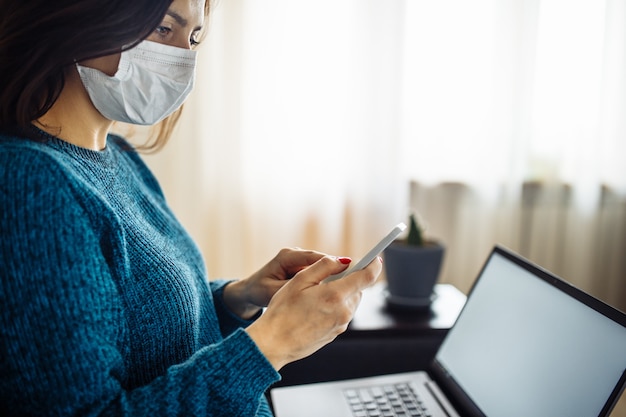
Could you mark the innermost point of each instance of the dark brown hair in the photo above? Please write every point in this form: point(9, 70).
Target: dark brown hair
point(39, 39)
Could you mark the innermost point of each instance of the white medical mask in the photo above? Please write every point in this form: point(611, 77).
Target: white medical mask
point(152, 81)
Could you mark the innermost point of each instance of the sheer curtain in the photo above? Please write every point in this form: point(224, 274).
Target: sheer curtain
point(310, 120)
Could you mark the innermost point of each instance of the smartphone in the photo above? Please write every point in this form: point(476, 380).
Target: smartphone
point(372, 254)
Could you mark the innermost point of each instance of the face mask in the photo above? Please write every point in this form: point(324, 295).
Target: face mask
point(152, 81)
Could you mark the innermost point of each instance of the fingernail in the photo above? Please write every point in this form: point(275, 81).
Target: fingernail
point(380, 259)
point(344, 261)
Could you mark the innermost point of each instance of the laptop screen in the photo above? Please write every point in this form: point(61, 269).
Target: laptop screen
point(527, 343)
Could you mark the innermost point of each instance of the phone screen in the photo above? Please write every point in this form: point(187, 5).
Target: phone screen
point(372, 254)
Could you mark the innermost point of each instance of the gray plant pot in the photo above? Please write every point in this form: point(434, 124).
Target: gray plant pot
point(412, 273)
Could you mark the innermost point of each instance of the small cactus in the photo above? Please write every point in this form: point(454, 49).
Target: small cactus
point(415, 236)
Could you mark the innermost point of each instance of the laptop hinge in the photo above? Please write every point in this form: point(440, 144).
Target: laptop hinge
point(441, 399)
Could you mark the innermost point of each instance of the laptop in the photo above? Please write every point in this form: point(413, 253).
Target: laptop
point(525, 344)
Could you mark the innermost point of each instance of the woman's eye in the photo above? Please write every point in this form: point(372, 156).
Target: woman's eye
point(195, 39)
point(163, 31)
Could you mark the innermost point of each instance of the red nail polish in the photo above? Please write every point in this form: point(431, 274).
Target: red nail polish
point(344, 261)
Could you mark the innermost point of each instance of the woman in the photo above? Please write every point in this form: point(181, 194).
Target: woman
point(106, 308)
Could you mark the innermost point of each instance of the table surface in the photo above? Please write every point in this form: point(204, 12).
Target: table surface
point(375, 316)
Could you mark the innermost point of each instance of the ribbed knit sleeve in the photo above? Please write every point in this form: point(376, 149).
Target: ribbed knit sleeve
point(229, 322)
point(233, 378)
point(104, 304)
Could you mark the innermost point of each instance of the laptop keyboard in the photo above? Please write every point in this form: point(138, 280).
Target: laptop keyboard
point(398, 400)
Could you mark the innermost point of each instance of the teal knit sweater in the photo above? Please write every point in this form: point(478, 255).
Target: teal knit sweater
point(105, 305)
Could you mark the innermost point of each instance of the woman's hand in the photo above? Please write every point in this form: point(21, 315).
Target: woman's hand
point(306, 314)
point(246, 297)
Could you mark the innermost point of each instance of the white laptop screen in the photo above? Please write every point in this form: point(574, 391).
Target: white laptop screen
point(524, 346)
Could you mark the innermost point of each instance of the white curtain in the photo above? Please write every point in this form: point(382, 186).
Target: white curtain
point(309, 121)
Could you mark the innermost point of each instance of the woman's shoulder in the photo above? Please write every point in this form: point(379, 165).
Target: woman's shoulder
point(51, 167)
point(52, 161)
point(10, 142)
point(24, 156)
point(63, 156)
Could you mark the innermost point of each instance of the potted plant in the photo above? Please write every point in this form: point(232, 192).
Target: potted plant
point(412, 267)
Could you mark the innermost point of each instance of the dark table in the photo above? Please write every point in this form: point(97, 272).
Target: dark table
point(381, 340)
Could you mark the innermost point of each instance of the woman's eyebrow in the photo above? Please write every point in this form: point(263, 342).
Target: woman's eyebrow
point(179, 19)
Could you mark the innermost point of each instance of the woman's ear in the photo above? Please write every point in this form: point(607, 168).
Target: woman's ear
point(107, 64)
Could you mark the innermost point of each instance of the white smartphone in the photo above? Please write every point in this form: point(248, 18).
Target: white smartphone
point(372, 254)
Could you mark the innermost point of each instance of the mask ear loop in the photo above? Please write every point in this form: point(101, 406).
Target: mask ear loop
point(122, 72)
